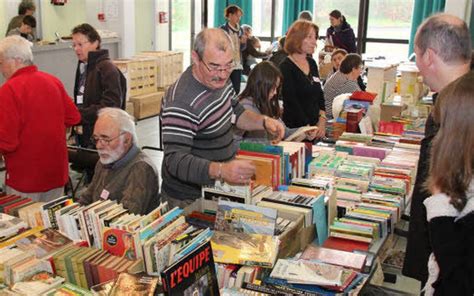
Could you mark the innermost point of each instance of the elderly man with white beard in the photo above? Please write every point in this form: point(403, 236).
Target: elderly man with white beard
point(123, 173)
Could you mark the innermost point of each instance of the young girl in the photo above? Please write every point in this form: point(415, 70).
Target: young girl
point(450, 210)
point(261, 96)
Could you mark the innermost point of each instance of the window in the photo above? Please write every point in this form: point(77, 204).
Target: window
point(348, 8)
point(390, 19)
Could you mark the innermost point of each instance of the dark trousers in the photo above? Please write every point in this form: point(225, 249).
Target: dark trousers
point(235, 79)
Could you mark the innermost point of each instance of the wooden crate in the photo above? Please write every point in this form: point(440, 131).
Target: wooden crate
point(147, 105)
point(140, 74)
point(169, 66)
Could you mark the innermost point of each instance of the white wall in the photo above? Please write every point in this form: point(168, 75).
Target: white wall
point(161, 30)
point(119, 17)
point(460, 8)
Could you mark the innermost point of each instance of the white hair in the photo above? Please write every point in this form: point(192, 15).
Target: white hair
point(124, 120)
point(18, 48)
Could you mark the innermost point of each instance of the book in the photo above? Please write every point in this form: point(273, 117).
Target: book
point(244, 248)
point(193, 274)
point(71, 290)
point(134, 284)
point(300, 134)
point(37, 284)
point(10, 225)
point(335, 257)
point(305, 272)
point(237, 217)
point(43, 243)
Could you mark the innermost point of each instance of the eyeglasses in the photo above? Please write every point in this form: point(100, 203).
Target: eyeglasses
point(215, 68)
point(80, 45)
point(104, 140)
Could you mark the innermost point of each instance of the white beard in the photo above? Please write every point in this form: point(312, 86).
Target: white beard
point(110, 156)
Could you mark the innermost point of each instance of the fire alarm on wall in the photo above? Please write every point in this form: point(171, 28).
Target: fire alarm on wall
point(101, 17)
point(58, 2)
point(162, 17)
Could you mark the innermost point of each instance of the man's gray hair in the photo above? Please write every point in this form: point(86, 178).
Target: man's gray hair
point(219, 37)
point(246, 28)
point(125, 121)
point(447, 35)
point(18, 48)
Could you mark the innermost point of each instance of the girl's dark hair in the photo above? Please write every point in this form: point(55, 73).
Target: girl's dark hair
point(337, 14)
point(350, 62)
point(452, 150)
point(25, 6)
point(232, 9)
point(262, 79)
point(89, 31)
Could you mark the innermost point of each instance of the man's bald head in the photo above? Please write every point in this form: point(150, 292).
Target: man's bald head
point(447, 35)
point(212, 37)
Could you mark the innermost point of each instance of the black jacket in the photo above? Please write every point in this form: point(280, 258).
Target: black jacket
point(105, 86)
point(418, 247)
point(344, 38)
point(303, 96)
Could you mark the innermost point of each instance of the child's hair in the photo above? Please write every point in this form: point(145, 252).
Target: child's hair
point(262, 79)
point(452, 150)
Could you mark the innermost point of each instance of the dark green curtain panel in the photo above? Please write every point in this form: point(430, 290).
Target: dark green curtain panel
point(220, 5)
point(291, 9)
point(421, 10)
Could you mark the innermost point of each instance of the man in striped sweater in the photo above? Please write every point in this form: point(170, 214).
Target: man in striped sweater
point(199, 110)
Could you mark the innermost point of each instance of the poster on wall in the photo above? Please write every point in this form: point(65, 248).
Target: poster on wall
point(111, 10)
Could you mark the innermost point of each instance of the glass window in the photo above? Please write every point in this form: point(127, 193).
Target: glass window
point(348, 8)
point(390, 19)
point(261, 18)
point(181, 29)
point(396, 52)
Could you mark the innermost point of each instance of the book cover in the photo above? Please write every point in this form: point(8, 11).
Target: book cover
point(194, 274)
point(237, 217)
point(70, 290)
point(244, 248)
point(305, 272)
point(336, 257)
point(44, 243)
point(134, 284)
point(120, 243)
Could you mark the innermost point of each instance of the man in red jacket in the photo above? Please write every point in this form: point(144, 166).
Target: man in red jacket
point(34, 113)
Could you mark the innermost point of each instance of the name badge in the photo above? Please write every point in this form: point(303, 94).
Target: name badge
point(105, 194)
point(80, 99)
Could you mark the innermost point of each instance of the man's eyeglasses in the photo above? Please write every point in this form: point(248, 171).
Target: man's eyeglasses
point(215, 68)
point(103, 140)
point(80, 45)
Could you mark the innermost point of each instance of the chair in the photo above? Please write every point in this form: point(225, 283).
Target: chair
point(82, 160)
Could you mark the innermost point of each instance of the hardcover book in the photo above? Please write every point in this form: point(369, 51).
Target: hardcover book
point(237, 217)
point(193, 274)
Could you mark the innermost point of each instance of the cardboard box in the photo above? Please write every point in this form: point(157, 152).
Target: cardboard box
point(169, 66)
point(389, 110)
point(147, 105)
point(292, 241)
point(130, 109)
point(140, 74)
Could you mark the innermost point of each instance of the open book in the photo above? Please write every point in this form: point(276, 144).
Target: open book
point(300, 133)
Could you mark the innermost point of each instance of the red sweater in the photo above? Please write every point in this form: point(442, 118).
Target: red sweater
point(34, 113)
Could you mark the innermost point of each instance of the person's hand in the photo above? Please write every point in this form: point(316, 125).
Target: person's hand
point(312, 134)
point(275, 128)
point(321, 129)
point(238, 171)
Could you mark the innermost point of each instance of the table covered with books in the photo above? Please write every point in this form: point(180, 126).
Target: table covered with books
point(310, 222)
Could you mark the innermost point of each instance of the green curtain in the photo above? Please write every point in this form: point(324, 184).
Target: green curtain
point(291, 9)
point(423, 9)
point(220, 5)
